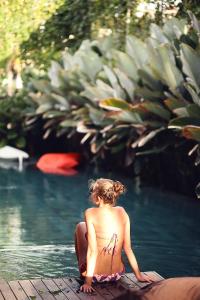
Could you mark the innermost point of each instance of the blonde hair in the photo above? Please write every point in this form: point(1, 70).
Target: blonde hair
point(107, 189)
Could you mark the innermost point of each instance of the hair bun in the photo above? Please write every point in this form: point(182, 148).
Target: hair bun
point(118, 187)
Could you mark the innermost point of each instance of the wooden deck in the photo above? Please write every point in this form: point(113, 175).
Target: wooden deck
point(68, 288)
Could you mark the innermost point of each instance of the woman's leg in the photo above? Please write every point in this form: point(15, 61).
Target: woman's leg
point(81, 245)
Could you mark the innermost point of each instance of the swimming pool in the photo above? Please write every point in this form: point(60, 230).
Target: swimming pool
point(38, 214)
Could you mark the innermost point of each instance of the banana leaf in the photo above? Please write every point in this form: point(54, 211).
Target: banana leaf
point(91, 65)
point(148, 94)
point(119, 92)
point(183, 121)
point(195, 22)
point(157, 109)
point(69, 123)
point(170, 73)
point(136, 49)
point(42, 85)
point(150, 81)
point(44, 108)
point(157, 34)
point(174, 28)
point(127, 65)
point(194, 95)
point(114, 104)
point(54, 73)
point(126, 83)
point(191, 65)
point(97, 116)
point(173, 104)
point(125, 116)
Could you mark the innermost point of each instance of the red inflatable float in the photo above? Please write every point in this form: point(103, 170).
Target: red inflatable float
point(59, 163)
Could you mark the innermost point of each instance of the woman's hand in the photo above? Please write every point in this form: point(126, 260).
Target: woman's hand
point(86, 288)
point(144, 278)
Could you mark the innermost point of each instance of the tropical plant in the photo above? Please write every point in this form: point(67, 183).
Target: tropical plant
point(127, 102)
point(13, 114)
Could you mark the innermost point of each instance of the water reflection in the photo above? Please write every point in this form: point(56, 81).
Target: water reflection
point(38, 214)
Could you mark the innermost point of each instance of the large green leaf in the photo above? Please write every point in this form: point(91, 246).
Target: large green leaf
point(183, 121)
point(191, 65)
point(174, 103)
point(157, 34)
point(119, 92)
point(170, 74)
point(126, 64)
point(125, 116)
point(136, 48)
point(62, 100)
point(44, 108)
point(157, 109)
point(54, 73)
point(194, 95)
point(126, 83)
point(69, 123)
point(150, 81)
point(174, 28)
point(114, 104)
point(91, 64)
point(192, 110)
point(195, 22)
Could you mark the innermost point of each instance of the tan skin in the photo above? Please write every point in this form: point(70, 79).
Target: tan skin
point(102, 222)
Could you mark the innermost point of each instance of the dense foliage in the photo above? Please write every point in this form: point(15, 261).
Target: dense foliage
point(135, 102)
point(37, 30)
point(18, 19)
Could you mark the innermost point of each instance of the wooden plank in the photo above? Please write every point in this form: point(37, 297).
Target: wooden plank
point(128, 284)
point(1, 296)
point(117, 289)
point(132, 277)
point(17, 290)
point(103, 291)
point(75, 286)
point(66, 289)
point(154, 275)
point(54, 289)
point(29, 289)
point(114, 289)
point(42, 289)
point(6, 290)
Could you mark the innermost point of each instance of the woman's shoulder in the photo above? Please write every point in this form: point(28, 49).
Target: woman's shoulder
point(120, 208)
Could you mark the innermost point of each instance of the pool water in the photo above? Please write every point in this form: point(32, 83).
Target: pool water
point(39, 212)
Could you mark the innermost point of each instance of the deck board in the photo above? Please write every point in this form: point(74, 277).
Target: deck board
point(68, 292)
point(42, 289)
point(17, 290)
point(67, 288)
point(6, 290)
point(1, 296)
point(54, 289)
point(29, 289)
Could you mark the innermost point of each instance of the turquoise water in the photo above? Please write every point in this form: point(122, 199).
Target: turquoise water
point(38, 214)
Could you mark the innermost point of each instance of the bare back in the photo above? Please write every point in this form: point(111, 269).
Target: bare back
point(108, 237)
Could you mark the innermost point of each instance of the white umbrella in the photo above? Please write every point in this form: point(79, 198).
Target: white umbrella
point(8, 152)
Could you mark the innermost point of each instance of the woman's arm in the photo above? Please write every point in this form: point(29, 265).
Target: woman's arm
point(129, 253)
point(91, 252)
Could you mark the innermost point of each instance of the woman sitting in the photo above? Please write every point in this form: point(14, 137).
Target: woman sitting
point(100, 239)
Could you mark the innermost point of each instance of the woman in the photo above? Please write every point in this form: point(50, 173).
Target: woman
point(100, 239)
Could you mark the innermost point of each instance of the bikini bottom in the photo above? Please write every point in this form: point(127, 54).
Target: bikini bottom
point(102, 277)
